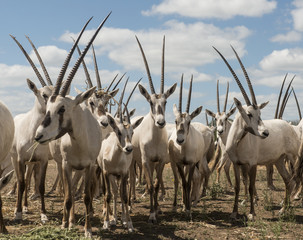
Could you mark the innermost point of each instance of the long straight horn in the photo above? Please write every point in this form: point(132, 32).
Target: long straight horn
point(118, 82)
point(127, 114)
point(218, 101)
point(180, 94)
point(298, 106)
point(96, 69)
point(162, 67)
point(130, 95)
point(66, 62)
point(189, 94)
point(30, 62)
point(206, 118)
point(284, 105)
point(226, 97)
point(49, 81)
point(279, 98)
point(284, 101)
point(107, 89)
point(152, 89)
point(236, 78)
point(119, 112)
point(77, 64)
point(252, 93)
point(88, 79)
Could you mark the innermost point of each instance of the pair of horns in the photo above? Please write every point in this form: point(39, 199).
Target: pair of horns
point(151, 85)
point(226, 97)
point(41, 80)
point(189, 95)
point(254, 101)
point(279, 114)
point(77, 64)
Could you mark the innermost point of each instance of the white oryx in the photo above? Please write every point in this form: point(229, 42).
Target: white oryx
point(7, 129)
point(223, 125)
point(186, 146)
point(24, 140)
point(115, 159)
point(150, 137)
point(253, 142)
point(79, 132)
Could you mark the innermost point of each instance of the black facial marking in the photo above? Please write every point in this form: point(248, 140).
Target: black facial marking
point(47, 120)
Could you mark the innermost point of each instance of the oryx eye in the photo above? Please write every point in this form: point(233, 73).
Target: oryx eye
point(249, 115)
point(45, 96)
point(119, 133)
point(92, 104)
point(61, 110)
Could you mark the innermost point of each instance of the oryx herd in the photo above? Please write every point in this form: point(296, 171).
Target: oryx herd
point(107, 150)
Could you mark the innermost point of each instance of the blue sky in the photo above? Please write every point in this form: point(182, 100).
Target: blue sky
point(266, 34)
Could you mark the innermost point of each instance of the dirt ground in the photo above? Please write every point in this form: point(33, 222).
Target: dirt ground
point(211, 217)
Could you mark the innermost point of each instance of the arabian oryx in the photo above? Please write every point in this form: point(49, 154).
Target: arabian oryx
point(223, 125)
point(66, 118)
point(115, 159)
point(7, 129)
point(186, 146)
point(24, 140)
point(253, 142)
point(150, 137)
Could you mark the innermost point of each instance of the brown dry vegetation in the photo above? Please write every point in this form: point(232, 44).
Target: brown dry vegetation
point(210, 218)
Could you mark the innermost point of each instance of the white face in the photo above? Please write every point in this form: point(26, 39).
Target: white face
point(182, 127)
point(57, 120)
point(157, 107)
point(221, 119)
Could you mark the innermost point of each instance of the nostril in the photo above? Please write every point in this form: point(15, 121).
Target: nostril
point(266, 133)
point(129, 149)
point(161, 123)
point(38, 138)
point(104, 124)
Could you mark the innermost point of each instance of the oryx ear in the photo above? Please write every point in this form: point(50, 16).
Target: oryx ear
point(210, 113)
point(196, 112)
point(32, 86)
point(84, 96)
point(113, 93)
point(175, 110)
point(112, 122)
point(170, 91)
point(231, 112)
point(137, 123)
point(241, 110)
point(144, 92)
point(5, 180)
point(262, 105)
point(238, 104)
point(132, 112)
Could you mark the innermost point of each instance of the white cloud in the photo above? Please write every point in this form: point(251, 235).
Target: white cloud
point(283, 60)
point(297, 15)
point(213, 8)
point(291, 36)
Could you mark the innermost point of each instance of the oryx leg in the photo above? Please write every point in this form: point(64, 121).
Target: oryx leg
point(114, 186)
point(280, 165)
point(159, 173)
point(226, 170)
point(205, 173)
point(150, 186)
point(126, 220)
point(20, 187)
point(68, 196)
point(107, 199)
point(43, 168)
point(237, 191)
point(132, 182)
point(36, 194)
point(184, 189)
point(28, 175)
point(176, 184)
point(2, 226)
point(269, 175)
point(252, 181)
point(88, 200)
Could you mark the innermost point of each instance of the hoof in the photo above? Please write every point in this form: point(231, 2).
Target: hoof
point(44, 218)
point(129, 226)
point(18, 216)
point(70, 225)
point(152, 218)
point(25, 209)
point(88, 233)
point(234, 216)
point(113, 222)
point(64, 225)
point(251, 217)
point(106, 225)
